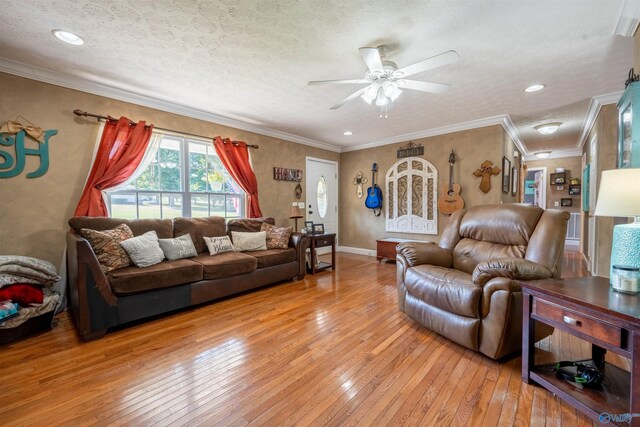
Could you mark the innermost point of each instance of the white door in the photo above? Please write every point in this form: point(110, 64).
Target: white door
point(322, 193)
point(540, 195)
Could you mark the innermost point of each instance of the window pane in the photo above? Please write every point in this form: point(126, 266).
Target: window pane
point(148, 205)
point(234, 207)
point(217, 205)
point(198, 180)
point(199, 206)
point(149, 178)
point(321, 196)
point(197, 156)
point(171, 205)
point(230, 186)
point(123, 205)
point(170, 160)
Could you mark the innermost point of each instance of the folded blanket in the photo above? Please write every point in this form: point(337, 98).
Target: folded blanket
point(32, 269)
point(26, 313)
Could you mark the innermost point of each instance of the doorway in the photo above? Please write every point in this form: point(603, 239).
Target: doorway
point(535, 187)
point(592, 253)
point(322, 194)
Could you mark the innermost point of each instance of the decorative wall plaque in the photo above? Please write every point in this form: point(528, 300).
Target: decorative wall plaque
point(410, 150)
point(12, 161)
point(284, 174)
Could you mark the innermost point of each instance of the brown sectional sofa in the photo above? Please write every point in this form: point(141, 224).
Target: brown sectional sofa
point(100, 301)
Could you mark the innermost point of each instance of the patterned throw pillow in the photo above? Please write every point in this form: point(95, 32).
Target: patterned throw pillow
point(178, 248)
point(277, 237)
point(106, 245)
point(219, 245)
point(144, 250)
point(249, 241)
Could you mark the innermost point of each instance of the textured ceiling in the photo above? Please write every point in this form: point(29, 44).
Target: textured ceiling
point(250, 60)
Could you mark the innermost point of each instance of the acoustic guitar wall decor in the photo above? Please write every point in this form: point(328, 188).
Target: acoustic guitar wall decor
point(374, 193)
point(450, 201)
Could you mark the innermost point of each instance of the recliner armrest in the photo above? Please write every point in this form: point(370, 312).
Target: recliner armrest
point(416, 253)
point(510, 268)
point(299, 242)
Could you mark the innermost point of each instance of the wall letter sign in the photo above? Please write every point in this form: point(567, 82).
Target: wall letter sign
point(12, 162)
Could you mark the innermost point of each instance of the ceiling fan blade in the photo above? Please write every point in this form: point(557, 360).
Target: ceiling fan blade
point(448, 57)
point(371, 57)
point(338, 82)
point(351, 97)
point(425, 86)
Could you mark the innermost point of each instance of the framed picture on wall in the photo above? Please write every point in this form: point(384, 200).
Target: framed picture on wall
point(514, 181)
point(506, 180)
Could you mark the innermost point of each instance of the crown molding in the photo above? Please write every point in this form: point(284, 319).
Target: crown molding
point(629, 18)
point(576, 152)
point(77, 83)
point(503, 120)
point(511, 130)
point(592, 113)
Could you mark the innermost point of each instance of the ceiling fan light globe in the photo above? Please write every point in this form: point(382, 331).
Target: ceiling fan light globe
point(371, 91)
point(381, 98)
point(389, 88)
point(396, 94)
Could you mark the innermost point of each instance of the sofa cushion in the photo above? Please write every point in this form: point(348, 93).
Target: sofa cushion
point(106, 245)
point(198, 228)
point(178, 248)
point(272, 257)
point(225, 264)
point(255, 241)
point(130, 280)
point(248, 224)
point(508, 224)
point(219, 245)
point(450, 290)
point(162, 227)
point(277, 237)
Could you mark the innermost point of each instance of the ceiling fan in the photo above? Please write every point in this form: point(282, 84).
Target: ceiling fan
point(385, 81)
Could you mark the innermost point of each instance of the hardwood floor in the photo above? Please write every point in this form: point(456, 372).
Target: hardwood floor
point(330, 349)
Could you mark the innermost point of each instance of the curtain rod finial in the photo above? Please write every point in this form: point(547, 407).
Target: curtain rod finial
point(79, 112)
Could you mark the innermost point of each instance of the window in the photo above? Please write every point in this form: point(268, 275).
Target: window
point(184, 178)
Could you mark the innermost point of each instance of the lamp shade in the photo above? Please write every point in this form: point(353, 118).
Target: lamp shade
point(295, 212)
point(618, 194)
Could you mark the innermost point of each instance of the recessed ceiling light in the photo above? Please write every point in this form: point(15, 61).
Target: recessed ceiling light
point(536, 87)
point(548, 128)
point(542, 154)
point(68, 37)
point(347, 133)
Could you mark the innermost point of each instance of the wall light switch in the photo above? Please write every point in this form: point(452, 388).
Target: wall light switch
point(556, 204)
point(301, 205)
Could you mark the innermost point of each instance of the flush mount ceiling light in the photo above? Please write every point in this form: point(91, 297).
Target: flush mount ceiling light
point(548, 128)
point(536, 87)
point(347, 133)
point(68, 37)
point(543, 154)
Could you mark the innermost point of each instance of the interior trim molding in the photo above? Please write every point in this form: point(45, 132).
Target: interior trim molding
point(577, 152)
point(629, 18)
point(503, 120)
point(357, 251)
point(592, 113)
point(77, 83)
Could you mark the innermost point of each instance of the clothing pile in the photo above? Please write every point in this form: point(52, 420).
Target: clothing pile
point(25, 289)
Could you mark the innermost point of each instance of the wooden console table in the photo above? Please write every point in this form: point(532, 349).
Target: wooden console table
point(586, 308)
point(319, 241)
point(386, 248)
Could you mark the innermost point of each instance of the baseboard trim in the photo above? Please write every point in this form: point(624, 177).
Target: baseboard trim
point(358, 251)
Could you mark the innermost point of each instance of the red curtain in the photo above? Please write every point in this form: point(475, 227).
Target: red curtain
point(235, 158)
point(121, 149)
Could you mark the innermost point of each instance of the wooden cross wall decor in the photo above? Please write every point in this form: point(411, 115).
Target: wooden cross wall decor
point(485, 171)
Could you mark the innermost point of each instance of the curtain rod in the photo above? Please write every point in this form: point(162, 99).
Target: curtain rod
point(79, 112)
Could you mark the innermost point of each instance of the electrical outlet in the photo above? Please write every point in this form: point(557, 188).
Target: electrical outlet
point(557, 204)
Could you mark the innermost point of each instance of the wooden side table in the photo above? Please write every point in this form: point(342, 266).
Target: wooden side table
point(586, 308)
point(319, 241)
point(386, 248)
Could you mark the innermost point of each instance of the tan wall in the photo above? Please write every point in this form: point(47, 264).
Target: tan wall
point(35, 211)
point(636, 52)
point(573, 168)
point(359, 227)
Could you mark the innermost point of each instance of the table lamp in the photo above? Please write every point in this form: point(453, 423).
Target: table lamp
point(619, 196)
point(295, 214)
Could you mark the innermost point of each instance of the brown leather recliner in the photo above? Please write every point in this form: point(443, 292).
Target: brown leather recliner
point(467, 289)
